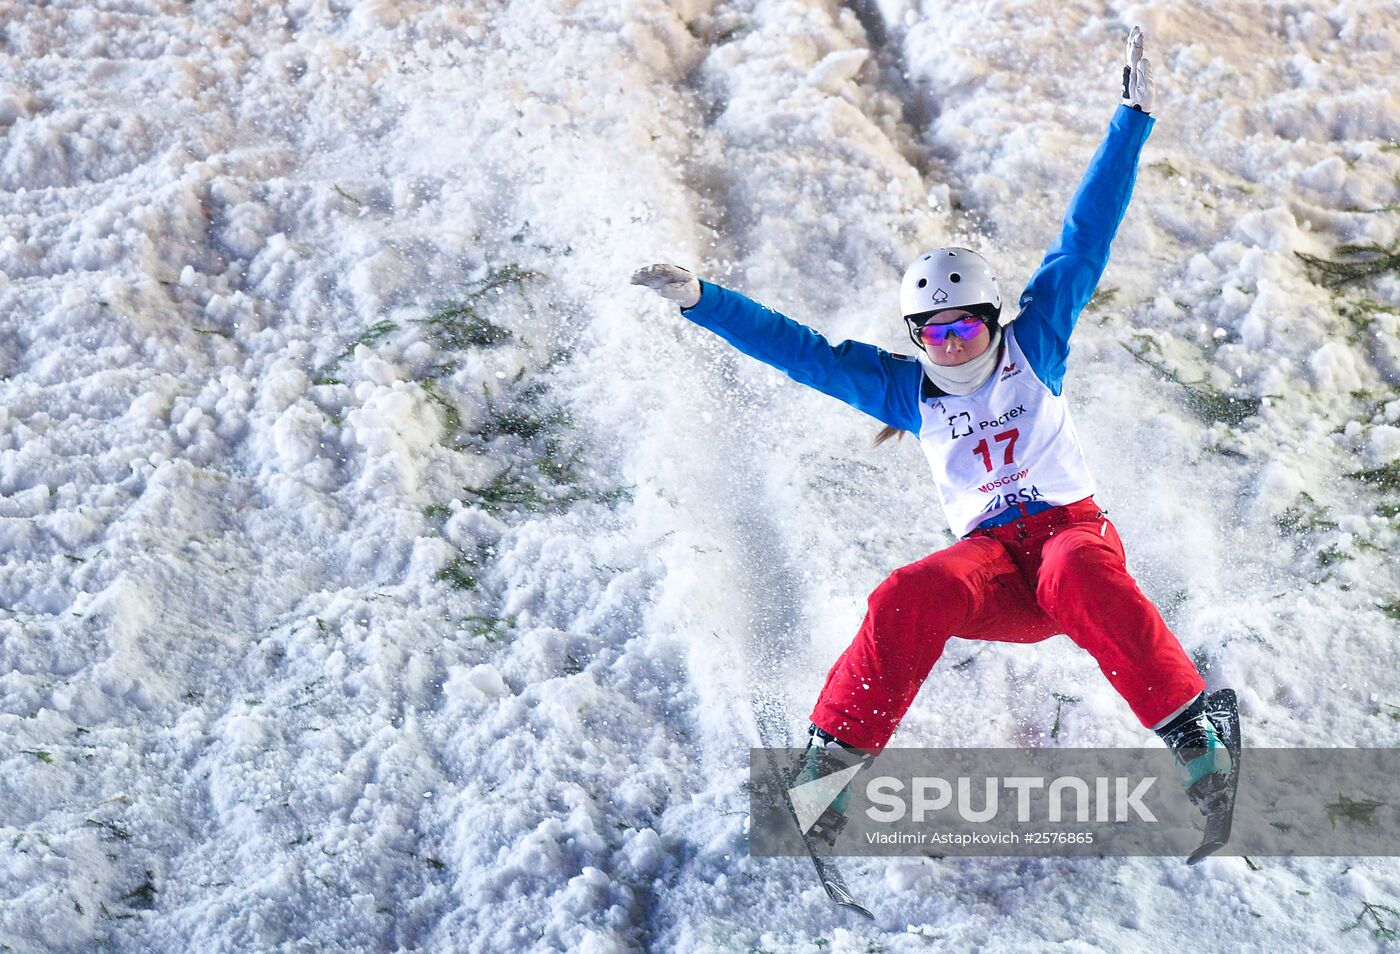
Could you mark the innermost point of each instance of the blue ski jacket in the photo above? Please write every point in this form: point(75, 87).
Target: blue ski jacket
point(887, 386)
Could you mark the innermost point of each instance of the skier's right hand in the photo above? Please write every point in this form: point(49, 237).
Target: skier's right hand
point(670, 281)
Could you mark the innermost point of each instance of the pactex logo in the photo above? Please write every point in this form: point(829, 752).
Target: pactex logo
point(1009, 371)
point(960, 425)
point(811, 799)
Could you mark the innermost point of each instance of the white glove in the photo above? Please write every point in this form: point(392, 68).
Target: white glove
point(670, 281)
point(1139, 91)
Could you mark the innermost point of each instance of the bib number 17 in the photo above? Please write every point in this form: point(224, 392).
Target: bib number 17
point(984, 450)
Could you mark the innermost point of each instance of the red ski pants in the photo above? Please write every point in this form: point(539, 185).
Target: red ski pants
point(1058, 571)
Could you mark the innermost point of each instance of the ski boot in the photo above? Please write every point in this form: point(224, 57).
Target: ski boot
point(1205, 740)
point(1202, 759)
point(827, 755)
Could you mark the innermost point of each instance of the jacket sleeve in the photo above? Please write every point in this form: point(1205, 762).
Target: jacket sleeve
point(1061, 287)
point(870, 379)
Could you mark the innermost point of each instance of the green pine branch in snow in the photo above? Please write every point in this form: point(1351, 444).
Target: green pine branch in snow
point(1359, 810)
point(1332, 555)
point(1381, 930)
point(459, 325)
point(557, 457)
point(452, 326)
point(511, 491)
point(1385, 478)
point(1103, 297)
point(1359, 315)
point(460, 572)
point(1378, 210)
point(1389, 509)
point(1355, 264)
point(1205, 400)
point(543, 460)
point(376, 331)
point(1303, 516)
point(490, 628)
point(1060, 701)
point(452, 418)
point(114, 829)
point(143, 896)
point(524, 418)
point(345, 195)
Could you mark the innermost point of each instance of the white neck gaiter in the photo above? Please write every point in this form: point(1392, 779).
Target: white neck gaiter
point(963, 379)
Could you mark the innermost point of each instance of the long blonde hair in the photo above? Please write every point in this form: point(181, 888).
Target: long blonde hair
point(886, 432)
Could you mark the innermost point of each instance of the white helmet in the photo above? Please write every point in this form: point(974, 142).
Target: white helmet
point(950, 278)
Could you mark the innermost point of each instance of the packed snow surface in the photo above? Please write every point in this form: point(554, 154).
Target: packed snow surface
point(382, 572)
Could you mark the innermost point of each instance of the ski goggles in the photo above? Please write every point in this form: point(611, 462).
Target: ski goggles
point(933, 335)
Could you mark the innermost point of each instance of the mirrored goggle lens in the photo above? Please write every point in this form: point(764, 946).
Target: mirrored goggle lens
point(966, 329)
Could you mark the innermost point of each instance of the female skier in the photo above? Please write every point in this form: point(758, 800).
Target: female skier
point(1037, 556)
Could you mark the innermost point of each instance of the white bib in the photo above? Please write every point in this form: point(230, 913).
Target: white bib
point(1009, 442)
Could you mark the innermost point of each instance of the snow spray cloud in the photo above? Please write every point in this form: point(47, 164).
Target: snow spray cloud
point(1037, 802)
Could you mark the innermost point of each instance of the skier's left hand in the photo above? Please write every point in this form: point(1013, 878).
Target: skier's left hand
point(1139, 89)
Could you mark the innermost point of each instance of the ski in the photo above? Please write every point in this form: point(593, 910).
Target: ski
point(1223, 709)
point(828, 872)
point(831, 878)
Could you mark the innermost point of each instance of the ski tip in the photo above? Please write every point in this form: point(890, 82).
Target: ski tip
point(852, 906)
point(838, 893)
point(1205, 851)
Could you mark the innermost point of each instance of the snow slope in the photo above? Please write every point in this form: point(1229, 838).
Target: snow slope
point(383, 573)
